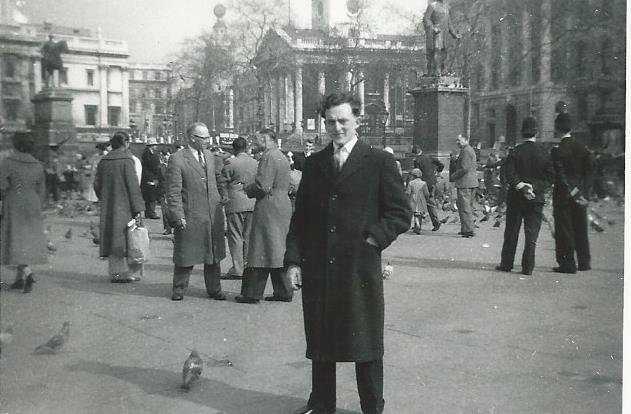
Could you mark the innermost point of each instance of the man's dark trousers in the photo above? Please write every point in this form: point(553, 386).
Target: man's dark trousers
point(431, 205)
point(570, 234)
point(212, 278)
point(369, 386)
point(255, 279)
point(532, 214)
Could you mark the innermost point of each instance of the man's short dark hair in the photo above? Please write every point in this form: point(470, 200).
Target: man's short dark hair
point(118, 139)
point(239, 144)
point(416, 149)
point(336, 99)
point(269, 132)
point(23, 142)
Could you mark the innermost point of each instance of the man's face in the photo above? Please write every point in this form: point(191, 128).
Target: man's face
point(341, 124)
point(198, 138)
point(308, 147)
point(259, 141)
point(461, 141)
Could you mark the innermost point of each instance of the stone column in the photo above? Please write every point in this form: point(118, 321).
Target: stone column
point(321, 93)
point(504, 60)
point(230, 108)
point(282, 99)
point(125, 97)
point(526, 75)
point(386, 91)
point(37, 74)
point(361, 91)
point(289, 99)
point(298, 99)
point(348, 79)
point(273, 102)
point(546, 39)
point(102, 95)
point(25, 84)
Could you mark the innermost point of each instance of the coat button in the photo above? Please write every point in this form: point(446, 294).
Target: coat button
point(332, 260)
point(332, 229)
point(334, 197)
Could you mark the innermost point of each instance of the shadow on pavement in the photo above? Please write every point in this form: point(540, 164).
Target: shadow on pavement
point(207, 392)
point(439, 263)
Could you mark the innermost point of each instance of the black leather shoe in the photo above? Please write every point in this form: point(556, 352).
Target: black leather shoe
point(18, 284)
point(307, 410)
point(502, 268)
point(526, 272)
point(177, 296)
point(118, 278)
point(277, 299)
point(468, 234)
point(243, 299)
point(217, 296)
point(584, 268)
point(560, 269)
point(436, 227)
point(28, 285)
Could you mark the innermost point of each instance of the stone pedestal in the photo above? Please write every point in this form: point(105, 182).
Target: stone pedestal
point(439, 114)
point(53, 125)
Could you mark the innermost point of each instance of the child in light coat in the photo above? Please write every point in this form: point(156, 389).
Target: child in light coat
point(418, 194)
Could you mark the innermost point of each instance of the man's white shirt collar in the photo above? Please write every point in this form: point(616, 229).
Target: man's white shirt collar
point(349, 145)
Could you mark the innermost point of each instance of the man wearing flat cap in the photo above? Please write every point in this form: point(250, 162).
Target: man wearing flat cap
point(573, 168)
point(529, 173)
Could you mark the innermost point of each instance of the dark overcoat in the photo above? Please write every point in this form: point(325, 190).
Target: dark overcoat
point(272, 211)
point(150, 180)
point(342, 292)
point(116, 186)
point(23, 190)
point(194, 194)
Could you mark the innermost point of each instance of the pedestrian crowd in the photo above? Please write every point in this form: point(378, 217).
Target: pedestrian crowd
point(316, 221)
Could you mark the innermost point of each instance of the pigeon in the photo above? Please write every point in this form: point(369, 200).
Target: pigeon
point(48, 230)
point(55, 343)
point(497, 223)
point(595, 224)
point(51, 247)
point(192, 369)
point(94, 231)
point(444, 220)
point(6, 337)
point(388, 270)
point(68, 234)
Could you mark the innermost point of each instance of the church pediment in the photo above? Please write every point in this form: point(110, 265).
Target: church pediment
point(273, 45)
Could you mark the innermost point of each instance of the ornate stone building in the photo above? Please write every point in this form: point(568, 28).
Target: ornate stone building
point(546, 56)
point(95, 73)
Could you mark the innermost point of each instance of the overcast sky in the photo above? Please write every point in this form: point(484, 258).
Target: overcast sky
point(154, 29)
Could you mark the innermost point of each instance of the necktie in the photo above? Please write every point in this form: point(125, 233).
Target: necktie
point(337, 156)
point(200, 158)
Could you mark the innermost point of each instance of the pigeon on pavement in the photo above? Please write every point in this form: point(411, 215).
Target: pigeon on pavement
point(388, 270)
point(6, 337)
point(192, 369)
point(51, 247)
point(68, 234)
point(55, 343)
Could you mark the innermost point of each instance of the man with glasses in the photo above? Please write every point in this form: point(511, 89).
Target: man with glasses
point(195, 189)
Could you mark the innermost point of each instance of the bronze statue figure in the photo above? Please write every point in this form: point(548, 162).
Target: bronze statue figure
point(436, 22)
point(51, 58)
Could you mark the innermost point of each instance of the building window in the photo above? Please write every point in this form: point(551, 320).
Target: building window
point(496, 47)
point(535, 40)
point(144, 75)
point(11, 107)
point(90, 74)
point(158, 75)
point(132, 105)
point(582, 107)
point(159, 93)
point(113, 115)
point(515, 57)
point(10, 64)
point(90, 114)
point(581, 59)
point(159, 109)
point(63, 76)
point(606, 53)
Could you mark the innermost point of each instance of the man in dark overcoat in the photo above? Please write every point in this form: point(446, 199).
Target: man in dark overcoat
point(238, 173)
point(429, 166)
point(528, 175)
point(573, 169)
point(116, 186)
point(270, 224)
point(195, 190)
point(350, 206)
point(300, 157)
point(465, 180)
point(150, 181)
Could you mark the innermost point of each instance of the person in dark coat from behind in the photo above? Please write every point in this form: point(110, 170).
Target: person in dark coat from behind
point(22, 191)
point(116, 186)
point(150, 181)
point(573, 169)
point(429, 166)
point(528, 174)
point(350, 206)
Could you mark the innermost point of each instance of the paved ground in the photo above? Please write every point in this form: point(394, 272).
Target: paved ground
point(460, 337)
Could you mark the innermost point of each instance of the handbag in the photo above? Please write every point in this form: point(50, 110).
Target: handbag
point(137, 244)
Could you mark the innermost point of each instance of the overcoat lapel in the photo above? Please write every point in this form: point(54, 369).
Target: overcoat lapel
point(190, 159)
point(326, 162)
point(353, 162)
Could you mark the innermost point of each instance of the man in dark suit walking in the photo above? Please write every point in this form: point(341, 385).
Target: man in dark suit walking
point(195, 190)
point(300, 157)
point(573, 168)
point(429, 166)
point(350, 206)
point(528, 175)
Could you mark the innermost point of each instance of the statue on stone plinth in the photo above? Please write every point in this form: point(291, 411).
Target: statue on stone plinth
point(51, 59)
point(437, 22)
